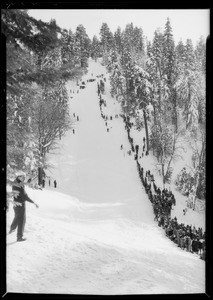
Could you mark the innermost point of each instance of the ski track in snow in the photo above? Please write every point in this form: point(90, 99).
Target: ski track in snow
point(95, 233)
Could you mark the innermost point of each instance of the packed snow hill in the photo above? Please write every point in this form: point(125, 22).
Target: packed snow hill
point(95, 232)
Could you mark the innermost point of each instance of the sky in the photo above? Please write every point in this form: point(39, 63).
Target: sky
point(186, 23)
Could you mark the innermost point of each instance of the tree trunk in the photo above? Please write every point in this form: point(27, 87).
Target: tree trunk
point(155, 122)
point(187, 113)
point(173, 151)
point(164, 181)
point(40, 175)
point(175, 112)
point(146, 129)
point(201, 163)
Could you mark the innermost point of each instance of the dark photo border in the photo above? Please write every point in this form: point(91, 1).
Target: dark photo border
point(209, 126)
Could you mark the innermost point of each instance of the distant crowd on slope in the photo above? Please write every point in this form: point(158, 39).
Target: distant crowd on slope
point(186, 237)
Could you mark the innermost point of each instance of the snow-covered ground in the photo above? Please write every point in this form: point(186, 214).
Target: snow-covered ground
point(95, 233)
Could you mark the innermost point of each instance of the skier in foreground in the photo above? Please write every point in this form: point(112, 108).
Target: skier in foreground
point(19, 206)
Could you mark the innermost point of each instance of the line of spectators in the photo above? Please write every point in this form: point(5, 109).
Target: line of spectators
point(186, 237)
point(135, 149)
point(102, 103)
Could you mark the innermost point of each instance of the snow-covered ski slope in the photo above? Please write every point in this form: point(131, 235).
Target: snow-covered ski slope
point(95, 233)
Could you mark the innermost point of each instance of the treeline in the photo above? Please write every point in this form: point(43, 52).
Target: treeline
point(162, 86)
point(40, 58)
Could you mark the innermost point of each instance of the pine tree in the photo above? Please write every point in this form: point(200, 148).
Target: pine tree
point(138, 41)
point(188, 86)
point(82, 46)
point(180, 53)
point(169, 69)
point(160, 90)
point(95, 48)
point(117, 81)
point(159, 93)
point(67, 50)
point(200, 54)
point(169, 53)
point(142, 94)
point(106, 38)
point(113, 59)
point(128, 38)
point(128, 65)
point(118, 40)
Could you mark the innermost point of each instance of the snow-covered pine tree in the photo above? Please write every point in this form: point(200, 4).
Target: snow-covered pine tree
point(160, 91)
point(95, 48)
point(112, 60)
point(67, 49)
point(128, 38)
point(180, 53)
point(169, 52)
point(143, 88)
point(82, 46)
point(138, 41)
point(188, 86)
point(118, 40)
point(117, 82)
point(107, 42)
point(169, 70)
point(200, 54)
point(128, 64)
point(106, 38)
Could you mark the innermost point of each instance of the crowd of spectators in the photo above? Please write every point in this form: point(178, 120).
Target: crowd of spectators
point(185, 236)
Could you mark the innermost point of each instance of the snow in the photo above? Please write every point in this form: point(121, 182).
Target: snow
point(95, 233)
point(194, 218)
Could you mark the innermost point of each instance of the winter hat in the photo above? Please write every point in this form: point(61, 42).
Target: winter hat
point(20, 173)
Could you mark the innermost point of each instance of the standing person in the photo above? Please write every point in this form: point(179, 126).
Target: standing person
point(55, 183)
point(19, 206)
point(43, 183)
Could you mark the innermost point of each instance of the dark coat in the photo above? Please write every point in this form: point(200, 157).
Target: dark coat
point(22, 196)
point(195, 246)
